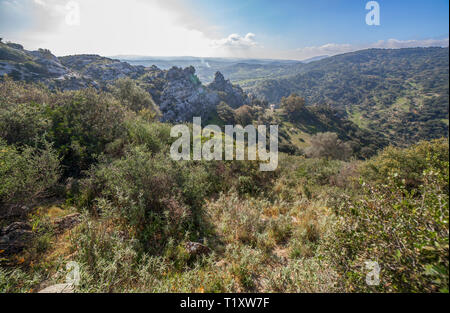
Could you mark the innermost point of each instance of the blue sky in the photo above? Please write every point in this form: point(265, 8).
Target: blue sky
point(305, 23)
point(294, 29)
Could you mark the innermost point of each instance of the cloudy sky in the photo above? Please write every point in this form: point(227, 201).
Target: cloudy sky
point(287, 29)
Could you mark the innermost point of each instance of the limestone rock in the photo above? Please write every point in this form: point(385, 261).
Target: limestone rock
point(67, 222)
point(196, 248)
point(13, 211)
point(15, 237)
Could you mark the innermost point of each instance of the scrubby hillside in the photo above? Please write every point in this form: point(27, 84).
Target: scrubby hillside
point(178, 95)
point(178, 92)
point(86, 178)
point(400, 92)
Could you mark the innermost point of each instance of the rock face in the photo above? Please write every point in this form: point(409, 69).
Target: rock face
point(183, 96)
point(178, 92)
point(66, 222)
point(196, 248)
point(234, 96)
point(14, 237)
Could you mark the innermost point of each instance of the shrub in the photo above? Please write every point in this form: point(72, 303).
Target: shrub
point(404, 229)
point(293, 105)
point(328, 145)
point(134, 97)
point(23, 112)
point(155, 136)
point(226, 113)
point(406, 166)
point(83, 123)
point(158, 197)
point(27, 175)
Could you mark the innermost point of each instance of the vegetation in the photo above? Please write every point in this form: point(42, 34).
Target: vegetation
point(402, 93)
point(339, 198)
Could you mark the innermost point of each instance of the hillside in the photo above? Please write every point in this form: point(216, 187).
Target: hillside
point(403, 92)
point(178, 92)
point(86, 176)
point(180, 95)
point(85, 179)
point(239, 71)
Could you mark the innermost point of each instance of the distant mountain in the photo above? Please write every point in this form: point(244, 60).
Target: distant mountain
point(241, 71)
point(401, 92)
point(316, 58)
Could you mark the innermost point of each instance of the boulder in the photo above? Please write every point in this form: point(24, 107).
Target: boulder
point(66, 222)
point(15, 237)
point(196, 248)
point(13, 211)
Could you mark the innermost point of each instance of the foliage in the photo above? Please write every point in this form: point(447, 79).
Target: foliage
point(404, 228)
point(328, 145)
point(402, 93)
point(27, 175)
point(134, 97)
point(226, 113)
point(309, 226)
point(293, 105)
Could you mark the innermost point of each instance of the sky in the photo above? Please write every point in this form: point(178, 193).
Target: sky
point(282, 29)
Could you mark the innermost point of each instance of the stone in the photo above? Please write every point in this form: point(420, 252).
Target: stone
point(196, 248)
point(66, 222)
point(15, 237)
point(13, 211)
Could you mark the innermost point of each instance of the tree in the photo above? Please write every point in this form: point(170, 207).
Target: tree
point(134, 97)
point(226, 113)
point(328, 145)
point(293, 105)
point(244, 115)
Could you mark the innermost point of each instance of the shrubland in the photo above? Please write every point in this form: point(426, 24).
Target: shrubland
point(309, 226)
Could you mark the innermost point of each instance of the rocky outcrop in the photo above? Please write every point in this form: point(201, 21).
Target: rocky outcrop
point(39, 66)
point(233, 95)
point(101, 69)
point(67, 222)
point(183, 96)
point(196, 248)
point(178, 92)
point(15, 237)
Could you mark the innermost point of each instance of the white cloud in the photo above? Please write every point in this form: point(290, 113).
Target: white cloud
point(106, 27)
point(236, 41)
point(396, 44)
point(147, 27)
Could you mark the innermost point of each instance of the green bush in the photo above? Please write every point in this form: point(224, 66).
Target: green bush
point(158, 197)
point(27, 175)
point(404, 229)
point(134, 97)
point(83, 123)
